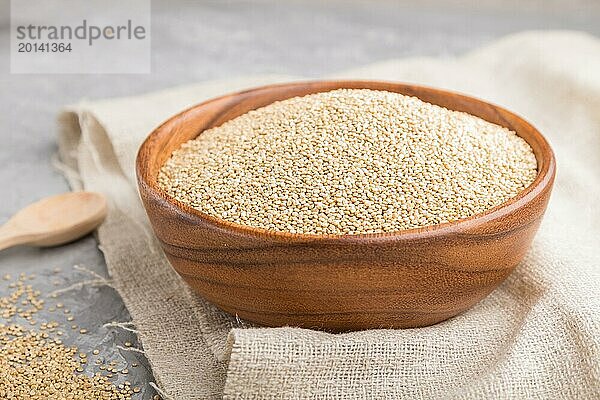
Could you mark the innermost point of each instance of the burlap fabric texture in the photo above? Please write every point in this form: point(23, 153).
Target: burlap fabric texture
point(536, 336)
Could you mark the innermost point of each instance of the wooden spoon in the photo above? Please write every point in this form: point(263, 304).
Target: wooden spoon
point(54, 220)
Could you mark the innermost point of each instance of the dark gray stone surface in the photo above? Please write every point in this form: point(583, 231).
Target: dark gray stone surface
point(195, 41)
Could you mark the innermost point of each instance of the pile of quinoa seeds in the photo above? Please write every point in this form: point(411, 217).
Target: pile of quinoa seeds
point(349, 161)
point(36, 364)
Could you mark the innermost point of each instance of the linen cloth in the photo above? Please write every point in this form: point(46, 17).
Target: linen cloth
point(536, 336)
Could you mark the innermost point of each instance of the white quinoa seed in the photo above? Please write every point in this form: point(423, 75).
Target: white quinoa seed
point(34, 365)
point(349, 161)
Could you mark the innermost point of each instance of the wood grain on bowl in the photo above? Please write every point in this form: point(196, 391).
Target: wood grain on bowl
point(409, 278)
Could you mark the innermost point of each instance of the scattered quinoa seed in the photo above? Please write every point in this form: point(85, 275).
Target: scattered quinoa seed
point(349, 161)
point(35, 365)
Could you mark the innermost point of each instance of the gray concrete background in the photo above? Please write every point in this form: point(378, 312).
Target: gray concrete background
point(195, 41)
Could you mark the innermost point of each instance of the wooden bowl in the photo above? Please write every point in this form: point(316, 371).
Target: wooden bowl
point(409, 278)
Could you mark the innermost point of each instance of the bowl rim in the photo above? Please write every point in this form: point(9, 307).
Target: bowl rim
point(543, 180)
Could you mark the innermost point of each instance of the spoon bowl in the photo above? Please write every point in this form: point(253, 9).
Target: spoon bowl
point(54, 220)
